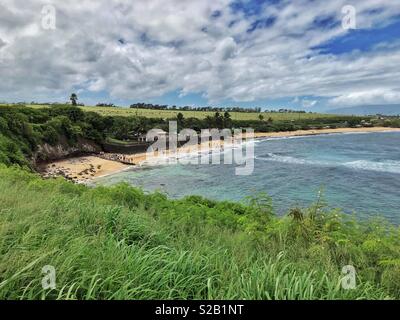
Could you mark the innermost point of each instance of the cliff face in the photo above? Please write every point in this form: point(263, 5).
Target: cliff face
point(63, 150)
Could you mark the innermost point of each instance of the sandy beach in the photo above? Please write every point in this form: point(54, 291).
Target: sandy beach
point(321, 131)
point(86, 168)
point(82, 169)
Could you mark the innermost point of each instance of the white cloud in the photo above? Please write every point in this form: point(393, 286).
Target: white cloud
point(308, 103)
point(226, 49)
point(372, 97)
point(180, 45)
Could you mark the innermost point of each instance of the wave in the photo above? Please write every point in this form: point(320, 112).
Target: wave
point(388, 166)
point(266, 139)
point(321, 134)
point(292, 160)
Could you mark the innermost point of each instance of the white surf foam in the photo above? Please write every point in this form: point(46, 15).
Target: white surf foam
point(390, 166)
point(291, 160)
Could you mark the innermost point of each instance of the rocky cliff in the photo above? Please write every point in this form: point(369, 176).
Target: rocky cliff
point(47, 152)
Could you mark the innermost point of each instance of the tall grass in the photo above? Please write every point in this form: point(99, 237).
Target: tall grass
point(120, 243)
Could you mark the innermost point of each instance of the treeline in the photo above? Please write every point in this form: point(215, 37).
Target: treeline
point(208, 108)
point(108, 105)
point(190, 108)
point(224, 120)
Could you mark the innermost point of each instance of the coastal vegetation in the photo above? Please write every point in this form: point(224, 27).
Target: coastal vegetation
point(24, 128)
point(123, 243)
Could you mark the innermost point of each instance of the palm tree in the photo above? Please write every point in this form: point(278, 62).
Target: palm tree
point(73, 99)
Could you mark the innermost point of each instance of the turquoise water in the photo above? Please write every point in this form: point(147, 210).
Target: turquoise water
point(357, 173)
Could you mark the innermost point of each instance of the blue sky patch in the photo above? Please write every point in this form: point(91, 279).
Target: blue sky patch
point(216, 14)
point(327, 22)
point(262, 24)
point(363, 40)
point(251, 7)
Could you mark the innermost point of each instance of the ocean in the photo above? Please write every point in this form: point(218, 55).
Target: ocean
point(356, 172)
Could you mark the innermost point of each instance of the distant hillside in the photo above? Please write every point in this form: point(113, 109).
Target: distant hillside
point(390, 110)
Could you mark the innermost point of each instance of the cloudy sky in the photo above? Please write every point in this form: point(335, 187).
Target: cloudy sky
point(271, 53)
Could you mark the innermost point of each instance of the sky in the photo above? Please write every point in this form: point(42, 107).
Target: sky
point(312, 55)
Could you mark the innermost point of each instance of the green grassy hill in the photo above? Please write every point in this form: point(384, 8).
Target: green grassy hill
point(168, 114)
point(120, 243)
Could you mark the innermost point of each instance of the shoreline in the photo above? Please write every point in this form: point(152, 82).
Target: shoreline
point(85, 169)
point(316, 132)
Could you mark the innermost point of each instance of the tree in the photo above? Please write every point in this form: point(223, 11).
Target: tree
point(261, 117)
point(227, 120)
point(219, 120)
point(73, 99)
point(180, 118)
